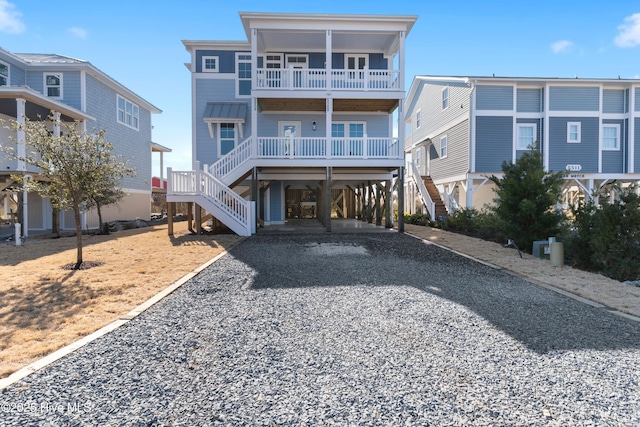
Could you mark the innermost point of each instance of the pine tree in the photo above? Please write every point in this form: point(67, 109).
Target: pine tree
point(526, 198)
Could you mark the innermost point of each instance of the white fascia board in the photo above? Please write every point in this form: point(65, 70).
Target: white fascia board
point(216, 44)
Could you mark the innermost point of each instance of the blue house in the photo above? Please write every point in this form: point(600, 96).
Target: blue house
point(461, 129)
point(297, 121)
point(34, 85)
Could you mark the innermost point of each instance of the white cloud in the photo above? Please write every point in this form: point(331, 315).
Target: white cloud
point(561, 46)
point(80, 33)
point(629, 35)
point(10, 21)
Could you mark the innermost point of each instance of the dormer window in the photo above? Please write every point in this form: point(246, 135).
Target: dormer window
point(4, 74)
point(53, 85)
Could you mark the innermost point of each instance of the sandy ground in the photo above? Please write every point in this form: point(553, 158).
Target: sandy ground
point(611, 293)
point(44, 307)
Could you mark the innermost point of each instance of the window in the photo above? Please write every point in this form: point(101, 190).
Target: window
point(574, 131)
point(53, 85)
point(128, 113)
point(526, 138)
point(273, 61)
point(227, 137)
point(443, 147)
point(611, 137)
point(418, 118)
point(244, 74)
point(4, 74)
point(445, 98)
point(210, 64)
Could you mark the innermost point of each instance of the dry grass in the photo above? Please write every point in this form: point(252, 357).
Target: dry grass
point(44, 307)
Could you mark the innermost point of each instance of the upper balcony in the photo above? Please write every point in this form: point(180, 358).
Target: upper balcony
point(320, 79)
point(326, 52)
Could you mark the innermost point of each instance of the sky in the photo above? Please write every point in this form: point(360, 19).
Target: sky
point(139, 42)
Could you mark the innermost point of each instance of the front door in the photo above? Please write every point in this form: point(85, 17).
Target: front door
point(287, 131)
point(355, 66)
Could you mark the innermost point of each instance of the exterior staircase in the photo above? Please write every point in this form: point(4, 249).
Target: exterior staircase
point(440, 209)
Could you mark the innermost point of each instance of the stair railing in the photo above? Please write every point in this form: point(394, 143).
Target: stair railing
point(422, 189)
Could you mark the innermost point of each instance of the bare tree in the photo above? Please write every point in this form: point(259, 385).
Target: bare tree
point(76, 169)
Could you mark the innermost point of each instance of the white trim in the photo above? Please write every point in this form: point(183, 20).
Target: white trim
point(443, 98)
point(237, 75)
point(46, 85)
point(632, 130)
point(517, 139)
point(579, 132)
point(134, 117)
point(215, 69)
point(219, 135)
point(499, 113)
point(294, 64)
point(618, 142)
point(356, 56)
point(446, 139)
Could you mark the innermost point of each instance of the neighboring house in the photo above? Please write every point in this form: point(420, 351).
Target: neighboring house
point(463, 128)
point(297, 121)
point(34, 85)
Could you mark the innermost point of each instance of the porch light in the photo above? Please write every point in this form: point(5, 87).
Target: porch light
point(314, 125)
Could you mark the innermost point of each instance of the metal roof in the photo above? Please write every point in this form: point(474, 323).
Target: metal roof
point(225, 112)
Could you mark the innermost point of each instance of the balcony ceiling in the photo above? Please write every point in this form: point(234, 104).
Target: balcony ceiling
point(313, 41)
point(319, 104)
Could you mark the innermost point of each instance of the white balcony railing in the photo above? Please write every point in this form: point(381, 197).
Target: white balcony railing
point(337, 148)
point(316, 79)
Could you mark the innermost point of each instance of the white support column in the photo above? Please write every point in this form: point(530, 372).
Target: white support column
point(401, 39)
point(20, 136)
point(56, 124)
point(632, 130)
point(329, 119)
point(328, 59)
point(469, 193)
point(161, 170)
point(545, 143)
point(254, 57)
point(401, 126)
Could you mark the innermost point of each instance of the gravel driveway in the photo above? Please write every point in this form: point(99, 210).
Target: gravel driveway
point(348, 330)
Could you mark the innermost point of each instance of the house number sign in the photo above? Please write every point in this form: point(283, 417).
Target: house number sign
point(574, 168)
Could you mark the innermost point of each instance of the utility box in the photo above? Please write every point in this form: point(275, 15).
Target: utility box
point(541, 249)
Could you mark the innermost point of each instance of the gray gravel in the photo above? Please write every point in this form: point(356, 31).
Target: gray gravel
point(348, 330)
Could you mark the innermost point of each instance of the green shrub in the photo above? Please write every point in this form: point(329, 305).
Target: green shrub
point(418, 219)
point(526, 197)
point(483, 224)
point(606, 238)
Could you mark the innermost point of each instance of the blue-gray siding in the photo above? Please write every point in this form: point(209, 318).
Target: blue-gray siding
point(529, 101)
point(213, 90)
point(17, 75)
point(130, 143)
point(494, 142)
point(227, 60)
point(613, 161)
point(489, 97)
point(457, 160)
point(613, 101)
point(570, 98)
point(584, 153)
point(637, 106)
point(72, 90)
point(376, 125)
